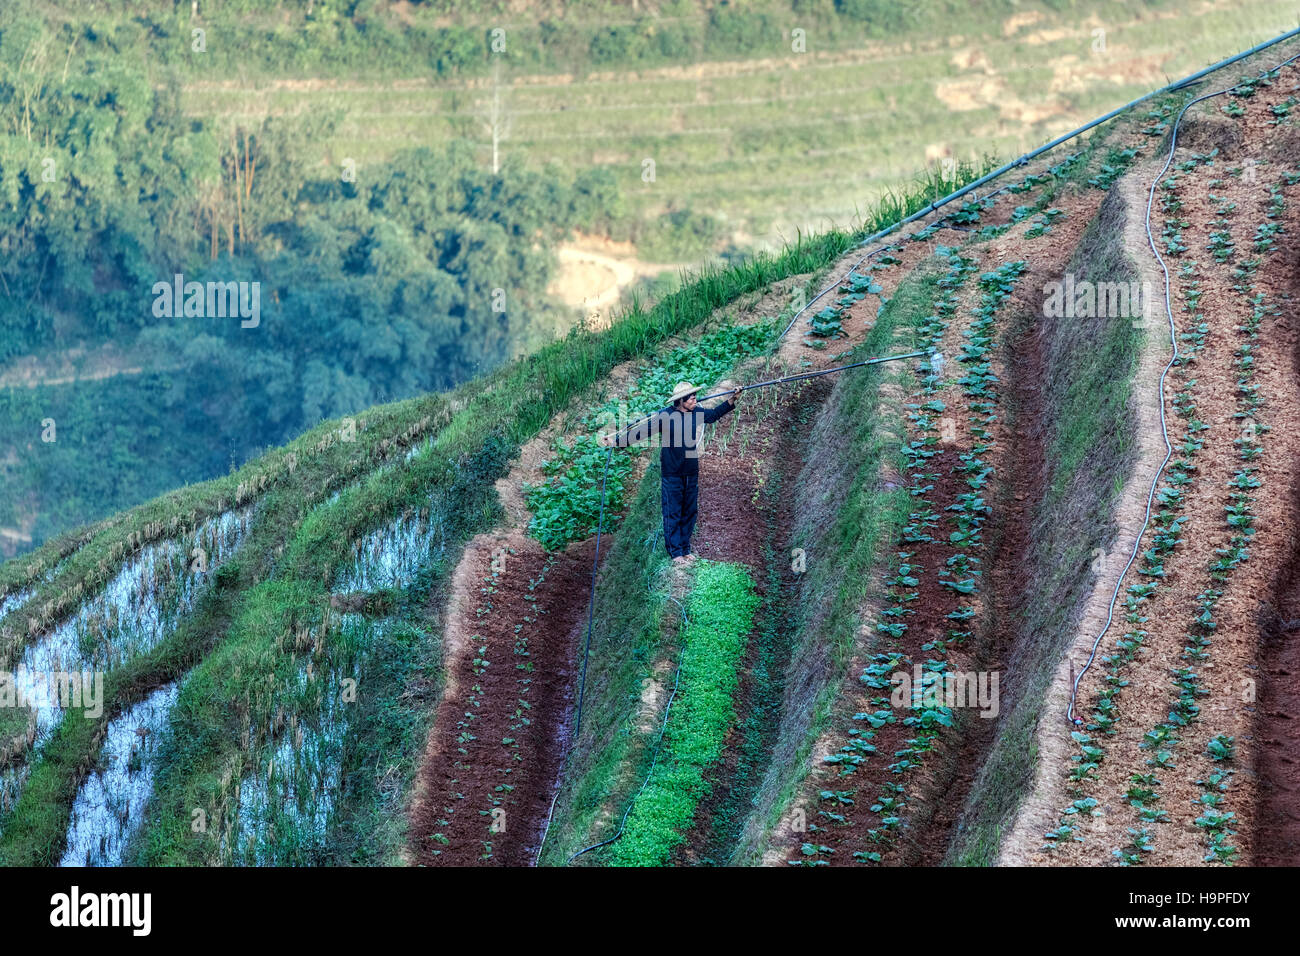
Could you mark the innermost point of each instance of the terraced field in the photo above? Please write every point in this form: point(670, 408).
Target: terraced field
point(447, 632)
point(781, 141)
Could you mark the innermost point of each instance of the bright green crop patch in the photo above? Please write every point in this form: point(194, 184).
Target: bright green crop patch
point(721, 614)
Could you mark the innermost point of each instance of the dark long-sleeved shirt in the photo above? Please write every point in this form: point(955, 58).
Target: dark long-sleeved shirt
point(679, 437)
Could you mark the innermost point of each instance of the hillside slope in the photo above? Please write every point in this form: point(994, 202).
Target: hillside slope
point(375, 644)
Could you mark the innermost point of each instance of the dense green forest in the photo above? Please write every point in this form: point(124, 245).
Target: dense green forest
point(373, 284)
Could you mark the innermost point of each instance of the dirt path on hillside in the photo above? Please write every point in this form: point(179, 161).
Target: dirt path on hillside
point(1212, 292)
point(76, 365)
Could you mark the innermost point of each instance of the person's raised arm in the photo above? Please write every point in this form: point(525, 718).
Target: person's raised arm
point(713, 414)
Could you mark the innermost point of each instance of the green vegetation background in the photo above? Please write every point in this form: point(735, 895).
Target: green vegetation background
point(121, 165)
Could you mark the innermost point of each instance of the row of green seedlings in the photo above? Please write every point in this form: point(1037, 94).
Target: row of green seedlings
point(719, 619)
point(1214, 821)
point(1043, 211)
point(960, 572)
point(859, 747)
point(1246, 89)
point(520, 721)
point(1117, 162)
point(567, 506)
point(1281, 112)
point(969, 214)
point(1167, 522)
point(479, 664)
point(829, 322)
point(494, 821)
point(1220, 246)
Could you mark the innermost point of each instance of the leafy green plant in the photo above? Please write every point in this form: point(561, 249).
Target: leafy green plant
point(1220, 747)
point(720, 613)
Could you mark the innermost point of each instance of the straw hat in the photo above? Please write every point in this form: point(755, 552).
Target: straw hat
point(681, 390)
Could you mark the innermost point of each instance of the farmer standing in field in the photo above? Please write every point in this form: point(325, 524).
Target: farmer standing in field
point(679, 429)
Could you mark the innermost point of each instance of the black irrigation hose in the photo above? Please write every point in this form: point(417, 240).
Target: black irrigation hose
point(1189, 80)
point(826, 371)
point(1160, 397)
point(932, 207)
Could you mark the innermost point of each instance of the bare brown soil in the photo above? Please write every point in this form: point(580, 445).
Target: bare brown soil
point(936, 794)
point(1249, 641)
point(1277, 809)
point(498, 742)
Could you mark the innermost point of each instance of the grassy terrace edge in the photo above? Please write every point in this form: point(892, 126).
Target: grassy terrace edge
point(1091, 441)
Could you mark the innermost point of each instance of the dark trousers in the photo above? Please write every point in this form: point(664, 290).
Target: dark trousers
point(679, 497)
